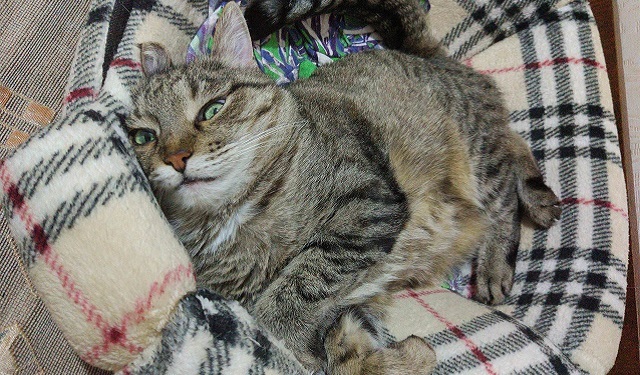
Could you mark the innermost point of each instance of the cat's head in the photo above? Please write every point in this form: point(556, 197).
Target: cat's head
point(203, 132)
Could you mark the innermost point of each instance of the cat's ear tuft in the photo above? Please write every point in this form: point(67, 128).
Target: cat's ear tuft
point(154, 58)
point(231, 40)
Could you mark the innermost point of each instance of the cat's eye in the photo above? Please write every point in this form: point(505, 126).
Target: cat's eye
point(210, 109)
point(142, 136)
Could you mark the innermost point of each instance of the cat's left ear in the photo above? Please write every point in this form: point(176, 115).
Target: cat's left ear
point(154, 58)
point(231, 40)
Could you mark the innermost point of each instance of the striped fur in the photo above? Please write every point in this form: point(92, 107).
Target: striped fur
point(306, 202)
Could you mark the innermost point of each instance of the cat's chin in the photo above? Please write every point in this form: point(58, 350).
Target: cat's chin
point(205, 194)
point(202, 194)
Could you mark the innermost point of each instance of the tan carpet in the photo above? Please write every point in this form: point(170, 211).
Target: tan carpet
point(37, 45)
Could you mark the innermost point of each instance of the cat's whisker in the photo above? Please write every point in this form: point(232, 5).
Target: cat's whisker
point(243, 153)
point(267, 132)
point(233, 155)
point(253, 140)
point(257, 141)
point(250, 142)
point(232, 147)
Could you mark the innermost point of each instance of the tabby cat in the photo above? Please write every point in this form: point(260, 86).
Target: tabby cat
point(311, 204)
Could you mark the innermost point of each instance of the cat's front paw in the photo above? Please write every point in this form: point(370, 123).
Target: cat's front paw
point(410, 356)
point(353, 350)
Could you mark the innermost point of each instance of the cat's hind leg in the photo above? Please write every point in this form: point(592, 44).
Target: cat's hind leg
point(523, 191)
point(539, 202)
point(496, 255)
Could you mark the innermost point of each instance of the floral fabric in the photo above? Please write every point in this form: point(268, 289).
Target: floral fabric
point(296, 51)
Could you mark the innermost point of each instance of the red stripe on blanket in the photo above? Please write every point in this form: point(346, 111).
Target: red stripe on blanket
point(89, 310)
point(117, 333)
point(111, 334)
point(597, 202)
point(125, 62)
point(421, 293)
point(542, 64)
point(114, 335)
point(79, 93)
point(456, 331)
point(176, 275)
point(40, 239)
point(16, 198)
point(43, 248)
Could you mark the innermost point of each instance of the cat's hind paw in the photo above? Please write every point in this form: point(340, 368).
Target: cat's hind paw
point(541, 204)
point(494, 284)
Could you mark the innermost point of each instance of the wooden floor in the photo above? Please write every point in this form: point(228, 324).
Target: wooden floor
point(627, 361)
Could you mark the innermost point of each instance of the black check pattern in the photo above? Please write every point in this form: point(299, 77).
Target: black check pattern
point(205, 317)
point(567, 128)
point(492, 21)
point(513, 336)
point(562, 269)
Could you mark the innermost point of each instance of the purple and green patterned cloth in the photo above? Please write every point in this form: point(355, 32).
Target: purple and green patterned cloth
point(296, 51)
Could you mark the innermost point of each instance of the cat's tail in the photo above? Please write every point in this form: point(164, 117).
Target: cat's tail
point(537, 199)
point(402, 24)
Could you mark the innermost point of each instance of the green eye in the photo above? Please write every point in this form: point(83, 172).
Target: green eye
point(142, 136)
point(210, 109)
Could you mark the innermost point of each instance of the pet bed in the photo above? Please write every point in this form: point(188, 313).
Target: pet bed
point(120, 285)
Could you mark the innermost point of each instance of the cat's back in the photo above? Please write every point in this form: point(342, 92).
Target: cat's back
point(396, 90)
point(389, 72)
point(378, 88)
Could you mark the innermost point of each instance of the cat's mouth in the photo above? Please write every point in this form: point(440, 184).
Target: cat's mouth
point(190, 181)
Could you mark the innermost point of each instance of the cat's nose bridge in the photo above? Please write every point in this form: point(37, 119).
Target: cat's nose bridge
point(178, 159)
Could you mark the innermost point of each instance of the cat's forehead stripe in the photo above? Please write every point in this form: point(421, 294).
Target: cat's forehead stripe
point(145, 121)
point(191, 98)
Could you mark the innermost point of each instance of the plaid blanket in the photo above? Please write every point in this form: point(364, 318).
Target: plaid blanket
point(121, 287)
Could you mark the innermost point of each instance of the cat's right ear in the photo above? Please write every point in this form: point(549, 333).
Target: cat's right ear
point(154, 58)
point(231, 40)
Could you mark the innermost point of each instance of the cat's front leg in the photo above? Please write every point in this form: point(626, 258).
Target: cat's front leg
point(301, 305)
point(354, 347)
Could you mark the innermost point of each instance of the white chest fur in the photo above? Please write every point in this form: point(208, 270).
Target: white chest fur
point(228, 230)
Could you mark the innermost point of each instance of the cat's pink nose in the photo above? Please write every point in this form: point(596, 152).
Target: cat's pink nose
point(178, 160)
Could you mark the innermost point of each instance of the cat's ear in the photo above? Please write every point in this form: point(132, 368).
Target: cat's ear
point(231, 40)
point(154, 58)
